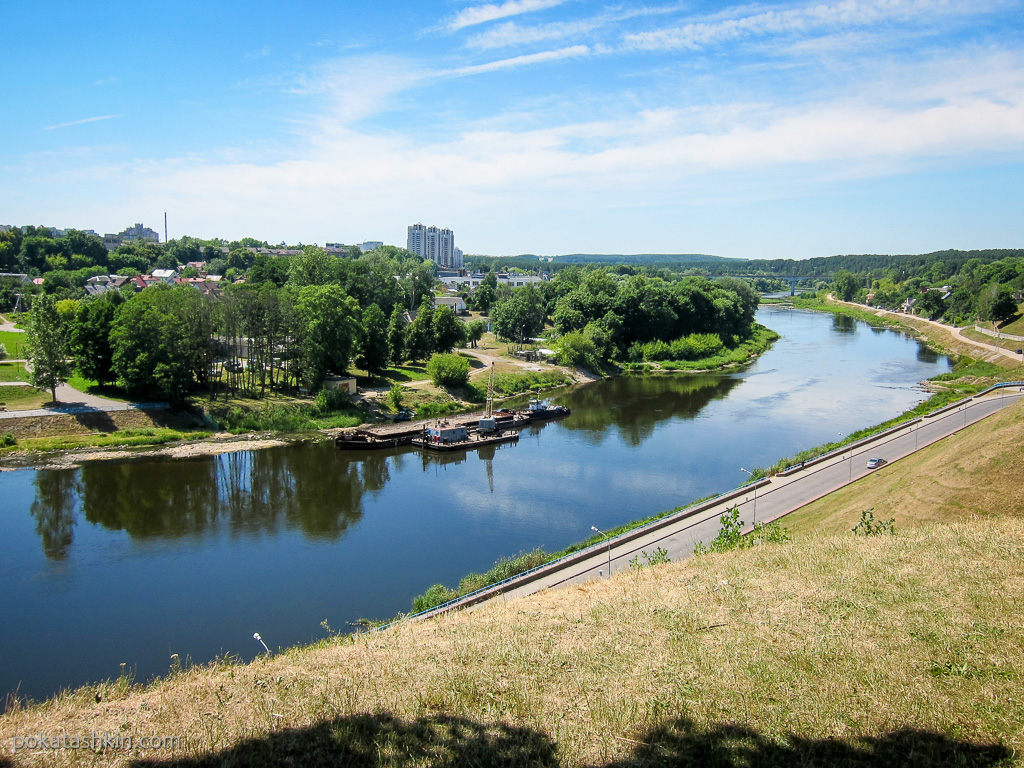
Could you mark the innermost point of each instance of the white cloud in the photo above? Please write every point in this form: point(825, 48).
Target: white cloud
point(82, 122)
point(800, 19)
point(512, 34)
point(574, 51)
point(480, 14)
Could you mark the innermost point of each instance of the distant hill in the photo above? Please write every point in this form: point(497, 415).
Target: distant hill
point(636, 258)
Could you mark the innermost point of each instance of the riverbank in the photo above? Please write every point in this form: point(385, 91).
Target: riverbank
point(829, 649)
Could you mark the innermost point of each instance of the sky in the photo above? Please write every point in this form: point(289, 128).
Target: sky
point(762, 130)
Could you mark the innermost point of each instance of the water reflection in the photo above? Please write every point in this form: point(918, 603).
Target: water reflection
point(263, 491)
point(636, 411)
point(54, 510)
point(844, 324)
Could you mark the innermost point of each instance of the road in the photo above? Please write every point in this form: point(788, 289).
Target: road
point(775, 498)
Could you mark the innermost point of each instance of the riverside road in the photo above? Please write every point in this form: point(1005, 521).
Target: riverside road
point(775, 498)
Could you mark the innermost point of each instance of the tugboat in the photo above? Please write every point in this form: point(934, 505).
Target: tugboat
point(539, 410)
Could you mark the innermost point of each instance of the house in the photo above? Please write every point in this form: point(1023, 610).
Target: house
point(457, 303)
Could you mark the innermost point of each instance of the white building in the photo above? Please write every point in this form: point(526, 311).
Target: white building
point(435, 244)
point(369, 245)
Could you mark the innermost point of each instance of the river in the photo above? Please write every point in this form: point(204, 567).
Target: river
point(145, 563)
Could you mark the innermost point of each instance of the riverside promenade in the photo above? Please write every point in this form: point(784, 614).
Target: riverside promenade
point(679, 533)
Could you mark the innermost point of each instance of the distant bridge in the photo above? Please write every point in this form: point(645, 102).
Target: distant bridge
point(791, 279)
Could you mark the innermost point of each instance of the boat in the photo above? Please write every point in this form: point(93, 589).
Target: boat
point(364, 441)
point(447, 436)
point(539, 410)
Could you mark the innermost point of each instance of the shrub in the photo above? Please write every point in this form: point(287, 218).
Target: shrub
point(3, 352)
point(448, 370)
point(437, 595)
point(394, 398)
point(7, 439)
point(868, 527)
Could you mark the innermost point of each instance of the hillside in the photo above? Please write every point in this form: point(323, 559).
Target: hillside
point(831, 650)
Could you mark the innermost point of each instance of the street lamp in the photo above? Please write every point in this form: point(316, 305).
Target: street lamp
point(609, 548)
point(754, 515)
point(851, 458)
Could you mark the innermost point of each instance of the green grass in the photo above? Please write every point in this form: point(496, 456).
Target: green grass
point(126, 438)
point(507, 384)
point(760, 341)
point(14, 343)
point(13, 372)
point(23, 398)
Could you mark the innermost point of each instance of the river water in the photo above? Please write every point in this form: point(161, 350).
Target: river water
point(131, 562)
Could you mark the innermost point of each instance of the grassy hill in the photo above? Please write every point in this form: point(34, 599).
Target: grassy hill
point(831, 649)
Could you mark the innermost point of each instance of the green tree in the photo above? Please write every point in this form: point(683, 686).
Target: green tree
point(475, 331)
point(373, 347)
point(314, 266)
point(486, 293)
point(90, 337)
point(449, 331)
point(326, 329)
point(48, 345)
point(1003, 307)
point(845, 285)
point(520, 317)
point(448, 370)
point(396, 336)
point(419, 335)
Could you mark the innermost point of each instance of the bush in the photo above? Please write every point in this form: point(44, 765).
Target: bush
point(3, 352)
point(7, 439)
point(448, 370)
point(437, 595)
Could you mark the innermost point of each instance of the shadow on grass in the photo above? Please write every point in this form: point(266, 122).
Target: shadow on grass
point(681, 743)
point(373, 740)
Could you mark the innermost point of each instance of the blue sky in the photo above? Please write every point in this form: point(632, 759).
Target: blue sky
point(771, 129)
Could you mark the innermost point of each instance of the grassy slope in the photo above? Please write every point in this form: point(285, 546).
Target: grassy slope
point(829, 650)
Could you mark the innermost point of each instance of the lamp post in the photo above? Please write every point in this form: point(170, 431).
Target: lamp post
point(754, 514)
point(593, 528)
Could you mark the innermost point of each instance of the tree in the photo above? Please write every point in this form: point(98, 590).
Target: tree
point(90, 338)
point(396, 336)
point(475, 331)
point(373, 347)
point(1003, 307)
point(314, 266)
point(448, 370)
point(486, 294)
point(845, 285)
point(325, 331)
point(48, 345)
point(520, 317)
point(419, 336)
point(449, 331)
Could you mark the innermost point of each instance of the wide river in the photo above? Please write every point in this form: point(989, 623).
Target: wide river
point(137, 565)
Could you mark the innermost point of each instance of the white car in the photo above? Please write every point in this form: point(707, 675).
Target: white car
point(875, 463)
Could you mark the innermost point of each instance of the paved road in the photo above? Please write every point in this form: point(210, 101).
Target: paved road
point(775, 498)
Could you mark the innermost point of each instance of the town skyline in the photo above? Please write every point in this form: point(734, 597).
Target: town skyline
point(775, 130)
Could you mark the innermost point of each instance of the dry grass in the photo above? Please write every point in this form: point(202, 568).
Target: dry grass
point(834, 650)
point(978, 472)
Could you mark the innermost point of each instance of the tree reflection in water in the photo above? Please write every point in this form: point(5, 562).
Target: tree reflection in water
point(315, 490)
point(54, 510)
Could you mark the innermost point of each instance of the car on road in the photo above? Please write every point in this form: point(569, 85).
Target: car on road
point(875, 463)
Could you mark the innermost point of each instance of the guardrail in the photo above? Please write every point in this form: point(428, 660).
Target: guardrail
point(540, 571)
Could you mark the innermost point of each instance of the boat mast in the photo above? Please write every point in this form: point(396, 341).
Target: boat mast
point(490, 392)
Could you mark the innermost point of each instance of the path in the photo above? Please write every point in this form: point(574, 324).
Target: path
point(990, 351)
point(774, 498)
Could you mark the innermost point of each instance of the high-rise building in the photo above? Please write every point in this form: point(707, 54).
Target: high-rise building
point(435, 244)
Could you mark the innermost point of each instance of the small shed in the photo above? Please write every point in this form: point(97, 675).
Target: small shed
point(344, 383)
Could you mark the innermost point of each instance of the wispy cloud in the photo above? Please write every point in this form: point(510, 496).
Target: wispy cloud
point(512, 34)
point(480, 14)
point(573, 51)
point(80, 122)
point(795, 20)
point(106, 80)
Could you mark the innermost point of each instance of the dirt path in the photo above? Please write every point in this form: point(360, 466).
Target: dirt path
point(951, 336)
